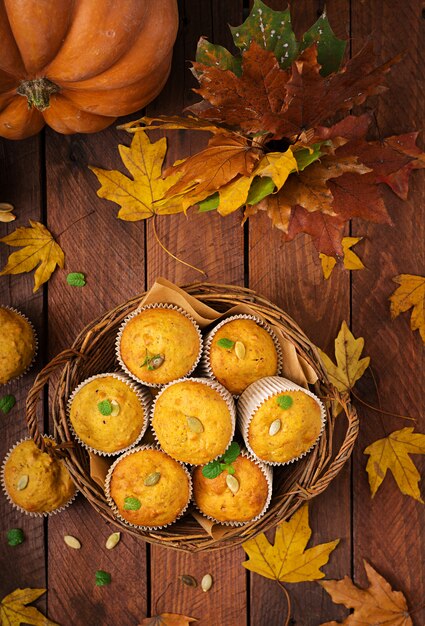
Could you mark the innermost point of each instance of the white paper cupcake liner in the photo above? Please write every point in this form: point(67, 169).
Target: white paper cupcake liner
point(15, 378)
point(226, 395)
point(268, 474)
point(256, 394)
point(114, 507)
point(60, 508)
point(205, 367)
point(142, 394)
point(134, 314)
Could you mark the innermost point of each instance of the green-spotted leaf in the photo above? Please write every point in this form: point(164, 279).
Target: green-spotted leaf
point(209, 204)
point(261, 187)
point(285, 402)
point(105, 407)
point(15, 536)
point(212, 470)
point(271, 30)
point(232, 453)
point(330, 49)
point(7, 403)
point(225, 343)
point(76, 279)
point(132, 504)
point(216, 56)
point(102, 578)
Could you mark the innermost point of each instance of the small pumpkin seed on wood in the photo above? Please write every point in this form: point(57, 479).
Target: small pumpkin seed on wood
point(112, 541)
point(72, 542)
point(206, 582)
point(22, 482)
point(275, 427)
point(233, 483)
point(240, 350)
point(194, 424)
point(188, 580)
point(152, 479)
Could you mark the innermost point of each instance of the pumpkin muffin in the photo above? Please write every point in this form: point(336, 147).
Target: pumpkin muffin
point(239, 351)
point(194, 420)
point(17, 344)
point(159, 344)
point(237, 498)
point(280, 421)
point(147, 488)
point(108, 413)
point(34, 481)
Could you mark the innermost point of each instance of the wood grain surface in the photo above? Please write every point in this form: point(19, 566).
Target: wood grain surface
point(47, 179)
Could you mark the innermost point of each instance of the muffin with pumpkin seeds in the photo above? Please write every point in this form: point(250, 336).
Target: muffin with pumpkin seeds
point(18, 344)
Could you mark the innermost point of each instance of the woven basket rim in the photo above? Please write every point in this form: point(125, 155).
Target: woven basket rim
point(307, 479)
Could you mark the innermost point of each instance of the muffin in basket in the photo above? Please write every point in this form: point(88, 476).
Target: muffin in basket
point(147, 488)
point(17, 344)
point(280, 421)
point(194, 420)
point(158, 344)
point(35, 482)
point(238, 494)
point(239, 351)
point(108, 413)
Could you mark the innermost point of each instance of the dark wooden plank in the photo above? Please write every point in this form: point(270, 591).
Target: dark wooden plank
point(23, 565)
point(110, 253)
point(389, 530)
point(216, 245)
point(290, 275)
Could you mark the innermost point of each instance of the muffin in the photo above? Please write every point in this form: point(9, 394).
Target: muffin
point(239, 351)
point(194, 420)
point(234, 499)
point(108, 413)
point(17, 344)
point(158, 344)
point(147, 488)
point(34, 481)
point(279, 420)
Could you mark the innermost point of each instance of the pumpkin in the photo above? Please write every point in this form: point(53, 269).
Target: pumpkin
point(77, 65)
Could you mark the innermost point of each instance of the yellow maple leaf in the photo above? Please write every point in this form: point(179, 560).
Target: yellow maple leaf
point(350, 259)
point(410, 295)
point(137, 196)
point(38, 248)
point(288, 560)
point(350, 367)
point(13, 609)
point(378, 604)
point(392, 453)
point(6, 214)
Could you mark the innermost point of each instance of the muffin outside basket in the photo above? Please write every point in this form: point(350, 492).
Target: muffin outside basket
point(93, 352)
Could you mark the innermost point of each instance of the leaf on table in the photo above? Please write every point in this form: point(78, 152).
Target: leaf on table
point(287, 559)
point(6, 214)
point(392, 453)
point(14, 610)
point(213, 55)
point(330, 49)
point(167, 619)
point(349, 366)
point(378, 604)
point(136, 196)
point(410, 295)
point(350, 259)
point(38, 248)
point(171, 122)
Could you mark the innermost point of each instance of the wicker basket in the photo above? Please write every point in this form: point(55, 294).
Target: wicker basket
point(94, 351)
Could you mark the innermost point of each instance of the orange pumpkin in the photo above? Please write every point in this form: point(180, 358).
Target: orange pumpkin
point(77, 65)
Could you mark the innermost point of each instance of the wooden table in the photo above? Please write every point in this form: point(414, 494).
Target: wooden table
point(47, 179)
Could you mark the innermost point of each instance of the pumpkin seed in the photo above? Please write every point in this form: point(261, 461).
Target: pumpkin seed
point(156, 362)
point(194, 424)
point(22, 482)
point(72, 542)
point(233, 483)
point(275, 427)
point(240, 350)
point(188, 580)
point(112, 540)
point(206, 582)
point(115, 408)
point(152, 479)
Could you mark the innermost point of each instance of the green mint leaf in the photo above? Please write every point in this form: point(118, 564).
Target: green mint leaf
point(209, 204)
point(132, 504)
point(261, 187)
point(7, 403)
point(15, 536)
point(231, 453)
point(230, 469)
point(216, 56)
point(102, 578)
point(76, 279)
point(212, 470)
point(330, 49)
point(285, 402)
point(225, 343)
point(105, 407)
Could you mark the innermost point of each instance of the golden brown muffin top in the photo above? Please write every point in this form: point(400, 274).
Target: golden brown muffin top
point(17, 345)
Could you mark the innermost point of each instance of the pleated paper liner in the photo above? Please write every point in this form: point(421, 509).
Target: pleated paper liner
point(260, 391)
point(135, 314)
point(226, 395)
point(58, 509)
point(29, 366)
point(114, 507)
point(143, 395)
point(205, 366)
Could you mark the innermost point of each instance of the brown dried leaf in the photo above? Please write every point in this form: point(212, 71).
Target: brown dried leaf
point(167, 619)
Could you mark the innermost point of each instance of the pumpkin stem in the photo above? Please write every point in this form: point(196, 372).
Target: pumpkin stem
point(37, 91)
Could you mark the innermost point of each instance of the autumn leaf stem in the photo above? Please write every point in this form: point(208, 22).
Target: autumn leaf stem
point(374, 408)
point(288, 601)
point(83, 217)
point(170, 253)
